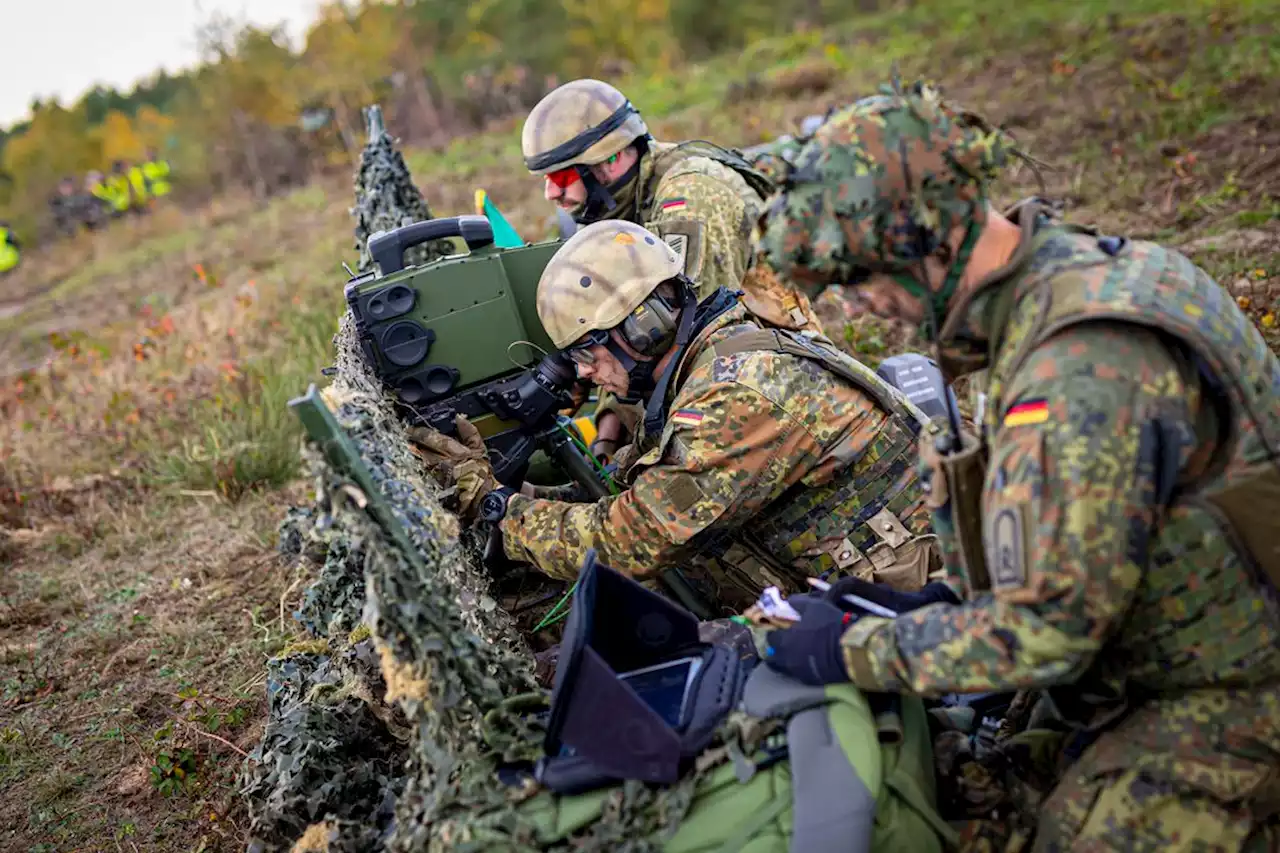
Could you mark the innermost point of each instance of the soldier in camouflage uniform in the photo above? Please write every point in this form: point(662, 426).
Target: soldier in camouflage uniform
point(600, 162)
point(1113, 529)
point(743, 426)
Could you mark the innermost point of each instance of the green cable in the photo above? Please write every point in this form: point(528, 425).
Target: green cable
point(581, 445)
point(554, 615)
point(552, 618)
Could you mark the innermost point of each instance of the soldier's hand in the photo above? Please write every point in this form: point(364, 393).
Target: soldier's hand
point(463, 460)
point(886, 596)
point(809, 651)
point(608, 431)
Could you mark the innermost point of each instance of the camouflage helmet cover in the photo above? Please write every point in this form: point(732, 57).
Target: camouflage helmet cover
point(880, 184)
point(583, 122)
point(599, 276)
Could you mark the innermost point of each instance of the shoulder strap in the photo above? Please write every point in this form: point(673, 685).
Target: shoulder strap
point(833, 809)
point(837, 363)
point(757, 180)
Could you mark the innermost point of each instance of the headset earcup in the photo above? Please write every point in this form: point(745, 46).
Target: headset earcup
point(651, 328)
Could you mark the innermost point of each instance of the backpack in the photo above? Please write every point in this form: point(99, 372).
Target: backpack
point(870, 788)
point(745, 758)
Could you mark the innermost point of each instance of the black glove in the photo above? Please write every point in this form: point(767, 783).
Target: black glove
point(809, 651)
point(886, 596)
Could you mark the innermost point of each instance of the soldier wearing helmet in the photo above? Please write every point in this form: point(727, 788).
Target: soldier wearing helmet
point(742, 424)
point(599, 161)
point(1113, 525)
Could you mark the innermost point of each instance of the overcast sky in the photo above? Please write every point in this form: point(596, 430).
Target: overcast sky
point(63, 47)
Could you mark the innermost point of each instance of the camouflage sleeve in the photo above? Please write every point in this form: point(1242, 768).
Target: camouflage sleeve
point(730, 451)
point(717, 218)
point(1096, 421)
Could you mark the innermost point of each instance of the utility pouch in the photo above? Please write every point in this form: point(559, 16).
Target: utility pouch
point(955, 488)
point(637, 694)
point(1248, 509)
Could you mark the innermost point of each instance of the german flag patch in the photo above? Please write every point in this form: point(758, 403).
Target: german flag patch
point(672, 205)
point(1027, 412)
point(686, 417)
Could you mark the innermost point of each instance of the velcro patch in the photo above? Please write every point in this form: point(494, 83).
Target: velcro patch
point(684, 237)
point(684, 492)
point(679, 244)
point(1027, 412)
point(686, 417)
point(1007, 548)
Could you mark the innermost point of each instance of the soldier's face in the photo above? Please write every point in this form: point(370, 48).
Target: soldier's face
point(604, 371)
point(566, 190)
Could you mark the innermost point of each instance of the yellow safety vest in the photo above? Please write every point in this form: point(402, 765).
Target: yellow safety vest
point(138, 181)
point(157, 175)
point(8, 252)
point(117, 187)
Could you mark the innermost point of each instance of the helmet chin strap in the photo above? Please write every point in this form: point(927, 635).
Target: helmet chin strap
point(602, 199)
point(693, 318)
point(641, 385)
point(639, 373)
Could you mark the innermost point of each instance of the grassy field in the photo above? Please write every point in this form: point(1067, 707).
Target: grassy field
point(146, 455)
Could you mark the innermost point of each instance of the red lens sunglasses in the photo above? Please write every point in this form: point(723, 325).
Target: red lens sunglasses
point(565, 178)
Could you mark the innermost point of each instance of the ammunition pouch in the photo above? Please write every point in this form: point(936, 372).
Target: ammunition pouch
point(602, 730)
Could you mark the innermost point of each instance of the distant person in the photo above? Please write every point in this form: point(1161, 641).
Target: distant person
point(9, 249)
point(65, 206)
point(99, 203)
point(156, 172)
point(117, 189)
point(140, 198)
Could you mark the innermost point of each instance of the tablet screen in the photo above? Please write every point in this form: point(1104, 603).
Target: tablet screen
point(665, 687)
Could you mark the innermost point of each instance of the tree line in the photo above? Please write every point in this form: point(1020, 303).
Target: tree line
point(258, 114)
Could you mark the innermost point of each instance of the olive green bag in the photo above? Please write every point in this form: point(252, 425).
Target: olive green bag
point(868, 788)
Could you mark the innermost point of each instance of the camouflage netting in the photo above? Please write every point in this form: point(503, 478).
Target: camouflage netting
point(462, 684)
point(454, 667)
point(386, 197)
point(334, 749)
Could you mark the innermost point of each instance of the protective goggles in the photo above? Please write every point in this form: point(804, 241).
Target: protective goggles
point(580, 351)
point(569, 175)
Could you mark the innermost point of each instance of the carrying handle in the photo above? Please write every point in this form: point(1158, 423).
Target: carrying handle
point(387, 248)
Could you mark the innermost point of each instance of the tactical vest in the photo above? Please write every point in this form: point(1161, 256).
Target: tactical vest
point(872, 510)
point(1228, 511)
point(8, 252)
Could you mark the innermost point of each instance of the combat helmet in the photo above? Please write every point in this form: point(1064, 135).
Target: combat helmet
point(880, 187)
point(576, 126)
point(608, 276)
point(602, 277)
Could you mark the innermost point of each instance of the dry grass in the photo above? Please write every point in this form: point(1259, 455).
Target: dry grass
point(131, 631)
point(145, 453)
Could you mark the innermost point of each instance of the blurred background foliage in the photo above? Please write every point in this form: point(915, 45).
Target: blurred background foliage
point(259, 114)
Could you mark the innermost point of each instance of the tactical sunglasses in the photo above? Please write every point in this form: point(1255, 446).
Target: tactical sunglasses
point(580, 351)
point(566, 177)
